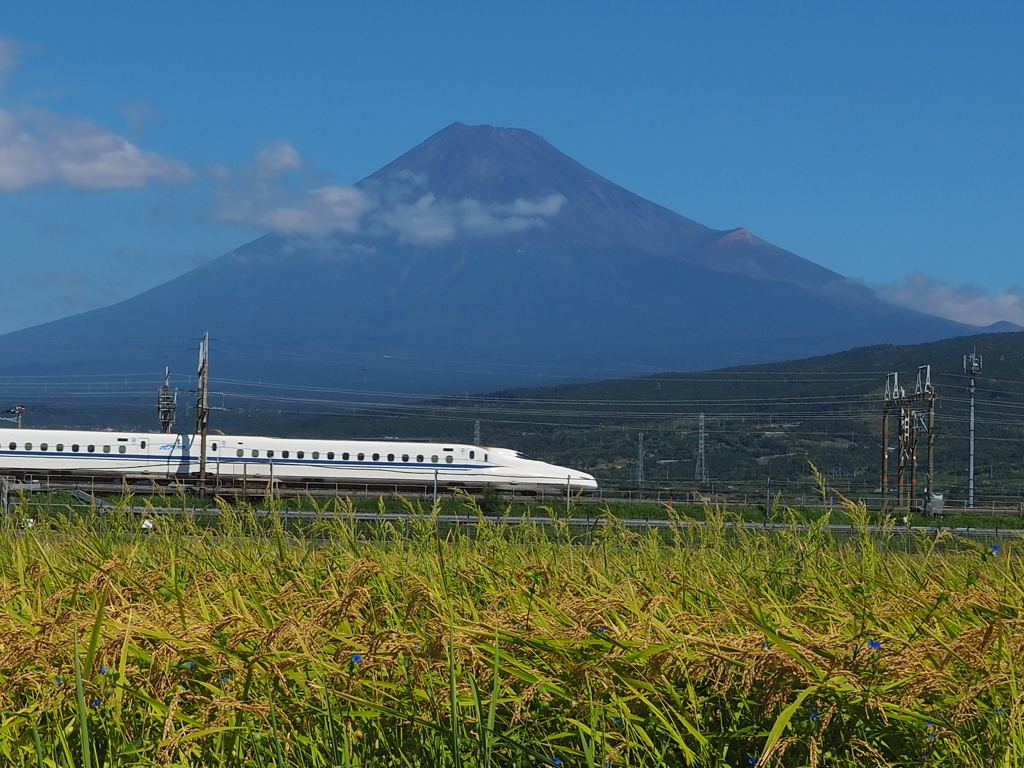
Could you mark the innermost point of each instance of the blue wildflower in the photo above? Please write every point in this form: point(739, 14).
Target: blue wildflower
point(814, 716)
point(57, 680)
point(225, 676)
point(875, 644)
point(999, 710)
point(357, 659)
point(617, 720)
point(556, 761)
point(764, 643)
point(928, 723)
point(752, 760)
point(95, 702)
point(103, 669)
point(931, 737)
point(191, 665)
point(600, 630)
point(995, 549)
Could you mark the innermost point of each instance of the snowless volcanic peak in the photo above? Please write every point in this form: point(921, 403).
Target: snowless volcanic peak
point(485, 258)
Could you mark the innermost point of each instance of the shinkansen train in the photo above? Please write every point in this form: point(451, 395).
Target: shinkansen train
point(243, 458)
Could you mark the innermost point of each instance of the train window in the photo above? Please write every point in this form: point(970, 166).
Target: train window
point(143, 444)
point(449, 459)
point(60, 446)
point(239, 453)
point(91, 449)
point(44, 447)
point(74, 447)
point(376, 457)
point(405, 457)
point(391, 457)
point(420, 458)
point(449, 449)
point(434, 458)
point(270, 454)
point(122, 439)
point(13, 446)
point(28, 446)
point(213, 447)
point(122, 449)
point(472, 454)
point(344, 457)
point(284, 454)
point(361, 456)
point(106, 449)
point(316, 454)
point(330, 455)
point(255, 454)
point(485, 457)
point(301, 454)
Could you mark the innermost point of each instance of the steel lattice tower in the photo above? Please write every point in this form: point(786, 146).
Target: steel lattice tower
point(701, 472)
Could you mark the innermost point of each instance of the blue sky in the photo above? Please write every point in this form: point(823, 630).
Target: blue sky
point(882, 140)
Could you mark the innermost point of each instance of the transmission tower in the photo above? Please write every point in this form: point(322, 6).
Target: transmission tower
point(167, 404)
point(972, 367)
point(701, 472)
point(640, 460)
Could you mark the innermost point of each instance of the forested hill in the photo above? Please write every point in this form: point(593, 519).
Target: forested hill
point(760, 421)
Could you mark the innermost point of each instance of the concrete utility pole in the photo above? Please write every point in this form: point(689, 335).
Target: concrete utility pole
point(203, 408)
point(972, 367)
point(476, 433)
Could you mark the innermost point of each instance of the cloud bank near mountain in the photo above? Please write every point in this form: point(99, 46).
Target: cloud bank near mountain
point(278, 192)
point(965, 303)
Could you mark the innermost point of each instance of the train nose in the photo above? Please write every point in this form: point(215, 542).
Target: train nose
point(581, 481)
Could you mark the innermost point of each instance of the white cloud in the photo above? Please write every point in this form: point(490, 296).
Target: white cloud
point(268, 194)
point(966, 303)
point(277, 158)
point(428, 221)
point(38, 147)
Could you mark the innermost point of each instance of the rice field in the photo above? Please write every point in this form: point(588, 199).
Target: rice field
point(241, 645)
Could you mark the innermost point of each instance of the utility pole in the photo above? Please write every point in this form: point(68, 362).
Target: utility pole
point(640, 460)
point(700, 473)
point(476, 433)
point(972, 367)
point(203, 408)
point(167, 404)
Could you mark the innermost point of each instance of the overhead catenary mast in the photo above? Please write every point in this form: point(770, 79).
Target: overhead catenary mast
point(167, 404)
point(972, 367)
point(203, 408)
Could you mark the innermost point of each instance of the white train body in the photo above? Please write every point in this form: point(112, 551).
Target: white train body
point(229, 458)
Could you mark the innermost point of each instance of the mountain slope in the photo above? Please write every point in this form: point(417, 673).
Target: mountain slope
point(488, 259)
